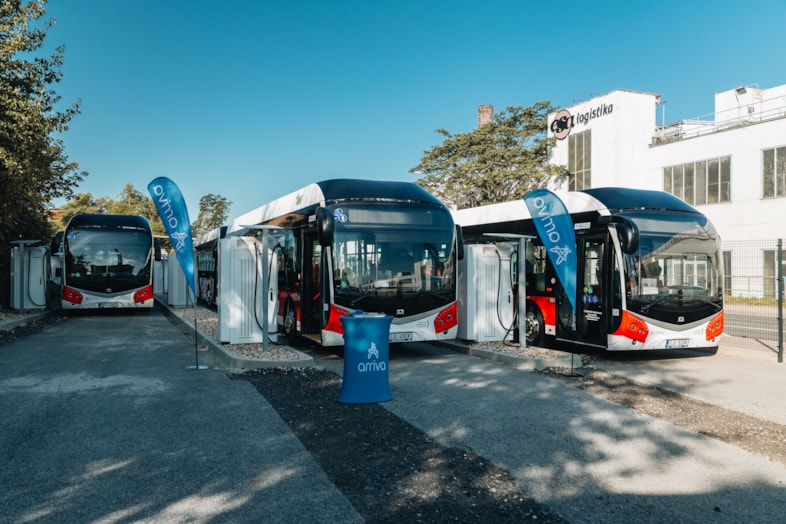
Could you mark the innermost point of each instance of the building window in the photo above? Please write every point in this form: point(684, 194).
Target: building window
point(698, 183)
point(774, 172)
point(580, 161)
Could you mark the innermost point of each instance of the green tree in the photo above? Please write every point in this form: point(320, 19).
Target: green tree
point(130, 201)
point(499, 161)
point(213, 212)
point(82, 203)
point(34, 169)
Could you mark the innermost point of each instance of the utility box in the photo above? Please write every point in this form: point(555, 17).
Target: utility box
point(487, 303)
point(245, 266)
point(160, 268)
point(177, 284)
point(29, 277)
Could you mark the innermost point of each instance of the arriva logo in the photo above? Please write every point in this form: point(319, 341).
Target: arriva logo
point(550, 232)
point(366, 367)
point(167, 213)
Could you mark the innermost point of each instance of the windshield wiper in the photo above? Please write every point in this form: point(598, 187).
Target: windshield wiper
point(359, 299)
point(660, 299)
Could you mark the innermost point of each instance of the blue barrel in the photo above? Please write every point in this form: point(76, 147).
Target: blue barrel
point(366, 349)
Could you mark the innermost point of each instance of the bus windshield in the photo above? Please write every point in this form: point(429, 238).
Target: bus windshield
point(107, 260)
point(676, 264)
point(388, 258)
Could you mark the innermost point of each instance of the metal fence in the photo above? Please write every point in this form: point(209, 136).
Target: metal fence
point(753, 302)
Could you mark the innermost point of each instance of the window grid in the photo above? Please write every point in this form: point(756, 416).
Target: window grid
point(580, 161)
point(774, 172)
point(702, 182)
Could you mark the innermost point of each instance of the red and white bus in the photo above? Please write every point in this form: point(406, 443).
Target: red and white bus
point(107, 262)
point(346, 245)
point(649, 271)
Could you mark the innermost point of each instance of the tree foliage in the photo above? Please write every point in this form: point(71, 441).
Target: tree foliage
point(34, 168)
point(213, 212)
point(129, 201)
point(499, 161)
point(82, 203)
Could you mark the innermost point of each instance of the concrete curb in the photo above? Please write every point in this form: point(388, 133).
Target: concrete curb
point(515, 361)
point(229, 361)
point(8, 326)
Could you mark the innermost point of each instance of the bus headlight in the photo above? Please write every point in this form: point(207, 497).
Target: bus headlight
point(632, 327)
point(714, 327)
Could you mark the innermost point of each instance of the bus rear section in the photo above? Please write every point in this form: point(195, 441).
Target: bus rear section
point(107, 262)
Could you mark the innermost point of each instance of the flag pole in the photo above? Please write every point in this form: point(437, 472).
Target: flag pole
point(173, 212)
point(196, 366)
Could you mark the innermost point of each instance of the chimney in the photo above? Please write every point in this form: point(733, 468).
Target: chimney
point(485, 115)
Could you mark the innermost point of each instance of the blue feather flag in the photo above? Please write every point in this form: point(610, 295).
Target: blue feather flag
point(555, 229)
point(174, 214)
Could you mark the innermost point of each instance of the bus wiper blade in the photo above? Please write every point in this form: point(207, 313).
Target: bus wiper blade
point(659, 300)
point(359, 299)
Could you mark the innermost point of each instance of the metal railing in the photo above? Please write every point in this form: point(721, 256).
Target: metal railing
point(746, 114)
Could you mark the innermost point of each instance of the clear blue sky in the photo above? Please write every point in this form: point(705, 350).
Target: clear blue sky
point(254, 99)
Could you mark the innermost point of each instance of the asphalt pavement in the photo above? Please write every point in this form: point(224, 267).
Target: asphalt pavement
point(104, 422)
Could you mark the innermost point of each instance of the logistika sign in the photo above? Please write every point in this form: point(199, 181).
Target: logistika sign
point(564, 121)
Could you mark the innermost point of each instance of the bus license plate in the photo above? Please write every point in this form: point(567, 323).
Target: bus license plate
point(400, 337)
point(677, 343)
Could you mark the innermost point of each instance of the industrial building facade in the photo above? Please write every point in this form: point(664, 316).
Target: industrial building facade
point(730, 165)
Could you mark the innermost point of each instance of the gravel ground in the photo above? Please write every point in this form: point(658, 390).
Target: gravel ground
point(402, 475)
point(207, 323)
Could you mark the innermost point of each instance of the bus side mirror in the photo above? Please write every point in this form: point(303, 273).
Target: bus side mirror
point(157, 250)
point(459, 243)
point(628, 235)
point(56, 244)
point(326, 225)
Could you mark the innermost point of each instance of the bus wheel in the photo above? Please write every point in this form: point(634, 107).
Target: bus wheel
point(290, 322)
point(535, 327)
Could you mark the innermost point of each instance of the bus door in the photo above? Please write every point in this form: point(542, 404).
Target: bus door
point(313, 299)
point(592, 288)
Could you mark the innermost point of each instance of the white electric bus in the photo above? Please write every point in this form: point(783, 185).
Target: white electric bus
point(346, 245)
point(649, 271)
point(107, 262)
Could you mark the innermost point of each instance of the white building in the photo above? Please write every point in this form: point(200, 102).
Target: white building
point(730, 165)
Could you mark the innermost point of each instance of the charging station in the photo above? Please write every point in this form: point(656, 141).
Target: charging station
point(160, 269)
point(29, 277)
point(248, 296)
point(177, 290)
point(485, 292)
